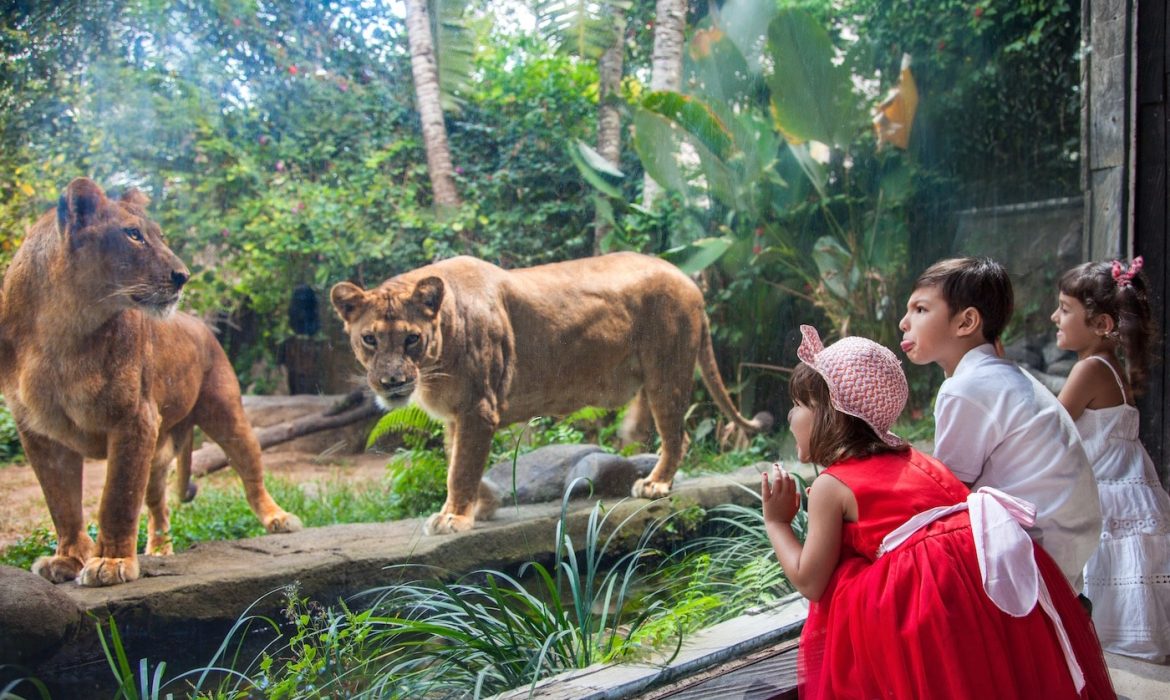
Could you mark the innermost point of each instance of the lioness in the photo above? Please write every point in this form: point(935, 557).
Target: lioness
point(479, 347)
point(93, 363)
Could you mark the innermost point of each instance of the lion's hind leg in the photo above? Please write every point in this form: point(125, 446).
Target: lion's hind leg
point(668, 397)
point(58, 469)
point(637, 425)
point(158, 530)
point(221, 415)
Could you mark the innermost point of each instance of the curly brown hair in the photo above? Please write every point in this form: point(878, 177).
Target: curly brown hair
point(835, 435)
point(1128, 305)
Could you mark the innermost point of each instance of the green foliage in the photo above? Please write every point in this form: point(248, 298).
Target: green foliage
point(417, 471)
point(10, 448)
point(12, 680)
point(414, 426)
point(581, 29)
point(283, 147)
point(26, 550)
point(999, 120)
point(149, 681)
point(734, 562)
point(486, 631)
point(418, 483)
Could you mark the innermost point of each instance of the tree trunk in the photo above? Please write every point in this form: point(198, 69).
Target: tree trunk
point(430, 112)
point(211, 457)
point(670, 20)
point(609, 119)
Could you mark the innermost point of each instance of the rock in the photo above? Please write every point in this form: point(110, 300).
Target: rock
point(1022, 353)
point(1053, 354)
point(1060, 368)
point(37, 617)
point(540, 474)
point(610, 475)
point(1052, 382)
point(644, 464)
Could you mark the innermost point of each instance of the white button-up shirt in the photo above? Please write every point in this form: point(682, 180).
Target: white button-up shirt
point(996, 426)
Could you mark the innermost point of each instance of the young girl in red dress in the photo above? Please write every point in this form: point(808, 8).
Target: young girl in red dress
point(918, 588)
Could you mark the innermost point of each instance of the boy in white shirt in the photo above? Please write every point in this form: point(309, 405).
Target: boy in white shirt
point(995, 425)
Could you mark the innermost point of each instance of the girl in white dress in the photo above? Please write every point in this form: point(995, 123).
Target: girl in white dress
point(1103, 315)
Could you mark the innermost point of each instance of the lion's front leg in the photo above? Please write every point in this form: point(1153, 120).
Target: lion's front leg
point(469, 446)
point(130, 451)
point(58, 469)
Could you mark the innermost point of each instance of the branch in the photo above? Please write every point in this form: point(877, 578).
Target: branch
point(211, 457)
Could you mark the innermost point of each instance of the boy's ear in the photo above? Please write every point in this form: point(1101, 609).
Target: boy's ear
point(969, 322)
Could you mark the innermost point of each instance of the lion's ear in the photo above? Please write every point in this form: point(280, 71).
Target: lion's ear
point(348, 299)
point(135, 198)
point(78, 204)
point(428, 293)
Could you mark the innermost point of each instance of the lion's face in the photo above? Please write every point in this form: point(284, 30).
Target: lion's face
point(394, 331)
point(118, 255)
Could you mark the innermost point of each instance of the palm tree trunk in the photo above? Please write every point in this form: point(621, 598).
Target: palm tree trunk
point(609, 120)
point(430, 112)
point(670, 19)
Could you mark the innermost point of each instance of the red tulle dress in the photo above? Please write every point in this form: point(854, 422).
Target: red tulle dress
point(917, 622)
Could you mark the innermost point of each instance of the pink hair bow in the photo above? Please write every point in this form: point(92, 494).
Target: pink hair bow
point(1123, 277)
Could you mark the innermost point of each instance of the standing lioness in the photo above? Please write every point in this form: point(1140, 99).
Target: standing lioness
point(94, 363)
point(480, 347)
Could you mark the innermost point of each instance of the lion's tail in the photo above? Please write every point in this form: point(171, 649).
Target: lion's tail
point(760, 422)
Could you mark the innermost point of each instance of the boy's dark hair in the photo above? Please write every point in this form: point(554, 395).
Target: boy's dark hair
point(981, 283)
point(835, 435)
point(1093, 285)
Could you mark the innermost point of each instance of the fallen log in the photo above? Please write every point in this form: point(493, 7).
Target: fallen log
point(210, 457)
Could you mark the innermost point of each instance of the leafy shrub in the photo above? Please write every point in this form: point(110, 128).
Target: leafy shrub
point(10, 447)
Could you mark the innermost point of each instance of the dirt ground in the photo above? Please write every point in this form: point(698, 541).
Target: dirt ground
point(22, 507)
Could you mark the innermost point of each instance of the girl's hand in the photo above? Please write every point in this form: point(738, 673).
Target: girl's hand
point(781, 497)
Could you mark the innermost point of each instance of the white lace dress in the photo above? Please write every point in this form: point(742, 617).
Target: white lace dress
point(1128, 577)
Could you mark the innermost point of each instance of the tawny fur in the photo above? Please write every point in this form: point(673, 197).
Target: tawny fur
point(480, 347)
point(95, 363)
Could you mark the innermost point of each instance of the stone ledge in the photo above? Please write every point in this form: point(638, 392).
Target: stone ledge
point(184, 605)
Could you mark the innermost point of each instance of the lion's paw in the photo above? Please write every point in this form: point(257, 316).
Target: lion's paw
point(164, 548)
point(160, 544)
point(57, 569)
point(283, 523)
point(447, 523)
point(108, 571)
point(645, 488)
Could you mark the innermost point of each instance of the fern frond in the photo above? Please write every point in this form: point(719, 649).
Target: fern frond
point(411, 422)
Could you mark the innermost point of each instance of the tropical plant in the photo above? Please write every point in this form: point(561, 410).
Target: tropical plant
point(481, 633)
point(779, 236)
point(14, 685)
point(732, 560)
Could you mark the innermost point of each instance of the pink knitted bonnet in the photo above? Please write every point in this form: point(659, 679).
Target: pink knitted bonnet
point(865, 379)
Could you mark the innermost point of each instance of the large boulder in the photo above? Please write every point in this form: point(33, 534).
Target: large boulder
point(607, 474)
point(538, 476)
point(36, 617)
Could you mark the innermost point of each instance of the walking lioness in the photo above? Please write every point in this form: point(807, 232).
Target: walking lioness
point(481, 347)
point(95, 363)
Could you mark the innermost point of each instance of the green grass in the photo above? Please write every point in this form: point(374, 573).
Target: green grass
point(220, 512)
